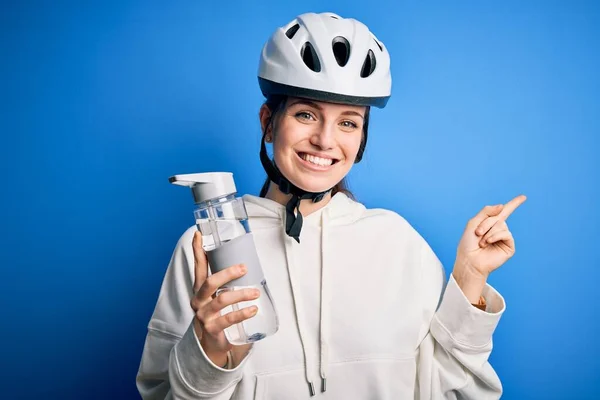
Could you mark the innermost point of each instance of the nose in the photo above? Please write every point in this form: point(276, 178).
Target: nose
point(324, 137)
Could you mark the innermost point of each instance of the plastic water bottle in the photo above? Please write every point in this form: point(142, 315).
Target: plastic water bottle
point(222, 219)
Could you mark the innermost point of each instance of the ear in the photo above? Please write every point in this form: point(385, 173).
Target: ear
point(265, 115)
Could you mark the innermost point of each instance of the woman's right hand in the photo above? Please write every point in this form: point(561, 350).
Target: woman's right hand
point(209, 324)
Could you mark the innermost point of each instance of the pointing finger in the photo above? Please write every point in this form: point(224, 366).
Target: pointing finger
point(486, 212)
point(512, 206)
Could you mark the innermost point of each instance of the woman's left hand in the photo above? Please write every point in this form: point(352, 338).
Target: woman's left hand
point(486, 244)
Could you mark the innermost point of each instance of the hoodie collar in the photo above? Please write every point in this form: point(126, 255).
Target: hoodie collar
point(340, 209)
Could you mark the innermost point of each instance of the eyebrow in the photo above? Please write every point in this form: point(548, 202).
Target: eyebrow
point(318, 107)
point(353, 113)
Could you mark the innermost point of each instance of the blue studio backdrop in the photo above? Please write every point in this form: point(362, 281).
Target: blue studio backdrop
point(102, 101)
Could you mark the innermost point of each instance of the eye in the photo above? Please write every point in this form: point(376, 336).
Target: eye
point(349, 124)
point(305, 116)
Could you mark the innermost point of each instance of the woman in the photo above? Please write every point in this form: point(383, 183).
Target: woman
point(365, 312)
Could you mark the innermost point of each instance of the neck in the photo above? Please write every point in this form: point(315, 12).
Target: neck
point(307, 206)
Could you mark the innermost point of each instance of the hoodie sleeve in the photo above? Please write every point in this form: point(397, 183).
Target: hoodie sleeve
point(173, 364)
point(457, 338)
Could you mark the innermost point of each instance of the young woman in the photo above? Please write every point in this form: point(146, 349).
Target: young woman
point(364, 307)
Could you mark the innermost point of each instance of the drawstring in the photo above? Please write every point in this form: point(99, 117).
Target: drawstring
point(324, 322)
point(298, 311)
point(324, 310)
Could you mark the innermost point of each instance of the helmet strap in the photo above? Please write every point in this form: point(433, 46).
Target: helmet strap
point(293, 221)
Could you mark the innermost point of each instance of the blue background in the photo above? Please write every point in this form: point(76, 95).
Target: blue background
point(102, 102)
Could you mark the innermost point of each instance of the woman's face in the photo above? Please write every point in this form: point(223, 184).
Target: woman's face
point(316, 143)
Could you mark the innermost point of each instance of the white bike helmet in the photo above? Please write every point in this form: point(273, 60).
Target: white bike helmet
point(326, 57)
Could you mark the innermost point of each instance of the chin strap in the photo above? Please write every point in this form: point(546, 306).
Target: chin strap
point(293, 221)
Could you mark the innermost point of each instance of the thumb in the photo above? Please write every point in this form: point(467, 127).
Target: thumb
point(486, 212)
point(200, 262)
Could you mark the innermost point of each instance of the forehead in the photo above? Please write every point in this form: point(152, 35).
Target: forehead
point(325, 106)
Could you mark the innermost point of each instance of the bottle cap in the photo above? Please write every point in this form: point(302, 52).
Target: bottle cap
point(206, 186)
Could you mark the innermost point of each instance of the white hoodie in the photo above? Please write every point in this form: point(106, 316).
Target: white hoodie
point(357, 301)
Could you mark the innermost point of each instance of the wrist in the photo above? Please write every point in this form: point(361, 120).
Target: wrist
point(216, 357)
point(470, 282)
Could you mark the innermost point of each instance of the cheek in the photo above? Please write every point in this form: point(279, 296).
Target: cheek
point(351, 146)
point(282, 159)
point(287, 136)
point(282, 147)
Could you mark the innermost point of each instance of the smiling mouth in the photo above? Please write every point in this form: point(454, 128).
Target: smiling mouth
point(317, 161)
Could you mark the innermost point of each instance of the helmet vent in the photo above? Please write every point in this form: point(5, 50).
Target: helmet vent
point(341, 50)
point(369, 65)
point(334, 17)
point(378, 44)
point(310, 58)
point(292, 31)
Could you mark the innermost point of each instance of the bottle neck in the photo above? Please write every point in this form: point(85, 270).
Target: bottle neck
point(216, 201)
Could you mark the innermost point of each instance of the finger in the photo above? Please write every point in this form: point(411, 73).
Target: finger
point(228, 298)
point(512, 206)
point(498, 226)
point(217, 325)
point(209, 309)
point(486, 212)
point(215, 281)
point(504, 237)
point(200, 262)
point(485, 226)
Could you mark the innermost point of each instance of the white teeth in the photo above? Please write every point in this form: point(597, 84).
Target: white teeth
point(324, 162)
